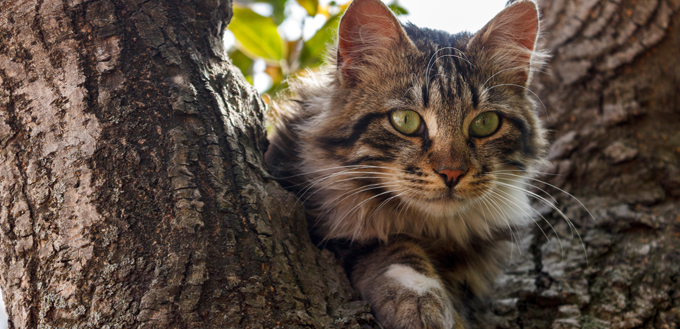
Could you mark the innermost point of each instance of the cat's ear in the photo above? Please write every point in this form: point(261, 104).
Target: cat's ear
point(368, 32)
point(509, 40)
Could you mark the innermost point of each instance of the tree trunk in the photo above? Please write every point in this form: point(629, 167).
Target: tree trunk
point(612, 96)
point(133, 194)
point(132, 186)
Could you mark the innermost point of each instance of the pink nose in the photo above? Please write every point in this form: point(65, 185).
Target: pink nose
point(451, 176)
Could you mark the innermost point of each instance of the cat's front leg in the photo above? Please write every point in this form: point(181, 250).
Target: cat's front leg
point(402, 287)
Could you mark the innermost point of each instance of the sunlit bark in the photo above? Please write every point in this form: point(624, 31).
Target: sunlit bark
point(133, 194)
point(132, 189)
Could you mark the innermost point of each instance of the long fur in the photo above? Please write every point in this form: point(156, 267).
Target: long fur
point(362, 181)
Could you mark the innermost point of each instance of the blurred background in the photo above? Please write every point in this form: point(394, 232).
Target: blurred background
point(270, 40)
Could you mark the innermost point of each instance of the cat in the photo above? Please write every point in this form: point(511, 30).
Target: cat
point(411, 151)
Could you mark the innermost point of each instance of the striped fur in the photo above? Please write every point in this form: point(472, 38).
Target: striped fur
point(363, 181)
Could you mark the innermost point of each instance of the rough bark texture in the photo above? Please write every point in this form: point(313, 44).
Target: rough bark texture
point(132, 190)
point(612, 94)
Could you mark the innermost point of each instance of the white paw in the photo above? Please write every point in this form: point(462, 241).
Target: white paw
point(413, 300)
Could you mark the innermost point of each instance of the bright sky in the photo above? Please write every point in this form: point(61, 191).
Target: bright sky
point(452, 15)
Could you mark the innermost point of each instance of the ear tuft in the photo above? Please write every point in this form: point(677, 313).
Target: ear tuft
point(367, 30)
point(510, 38)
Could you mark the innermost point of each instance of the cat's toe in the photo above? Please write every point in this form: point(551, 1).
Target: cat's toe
point(431, 310)
point(435, 312)
point(404, 298)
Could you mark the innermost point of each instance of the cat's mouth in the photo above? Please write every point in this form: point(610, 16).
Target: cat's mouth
point(447, 195)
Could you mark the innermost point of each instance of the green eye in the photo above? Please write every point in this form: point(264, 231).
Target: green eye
point(484, 124)
point(406, 122)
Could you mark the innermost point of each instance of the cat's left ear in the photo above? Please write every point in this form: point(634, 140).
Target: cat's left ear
point(368, 33)
point(509, 40)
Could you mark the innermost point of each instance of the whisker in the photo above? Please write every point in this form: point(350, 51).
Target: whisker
point(514, 237)
point(455, 56)
point(332, 204)
point(344, 180)
point(563, 191)
point(306, 189)
point(514, 205)
point(356, 208)
point(413, 84)
point(348, 170)
point(545, 201)
point(527, 89)
point(370, 218)
point(521, 180)
point(386, 201)
point(559, 241)
point(524, 171)
point(436, 58)
point(359, 166)
point(406, 205)
point(483, 201)
point(499, 72)
point(504, 216)
point(310, 184)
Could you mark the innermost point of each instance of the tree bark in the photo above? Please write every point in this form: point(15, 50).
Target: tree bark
point(612, 96)
point(132, 186)
point(133, 192)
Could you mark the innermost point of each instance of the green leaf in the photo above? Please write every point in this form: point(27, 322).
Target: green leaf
point(397, 9)
point(278, 7)
point(311, 6)
point(256, 35)
point(313, 49)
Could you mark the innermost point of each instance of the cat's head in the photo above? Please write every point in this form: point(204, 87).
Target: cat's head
point(421, 132)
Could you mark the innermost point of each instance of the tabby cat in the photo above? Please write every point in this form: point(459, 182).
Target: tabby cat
point(411, 151)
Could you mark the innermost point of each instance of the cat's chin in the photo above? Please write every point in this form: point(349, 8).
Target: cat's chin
point(445, 206)
point(449, 201)
point(445, 197)
point(457, 216)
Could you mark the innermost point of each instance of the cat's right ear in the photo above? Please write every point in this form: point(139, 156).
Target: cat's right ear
point(368, 32)
point(509, 40)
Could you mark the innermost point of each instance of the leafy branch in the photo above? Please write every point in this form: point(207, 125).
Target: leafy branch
point(258, 38)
